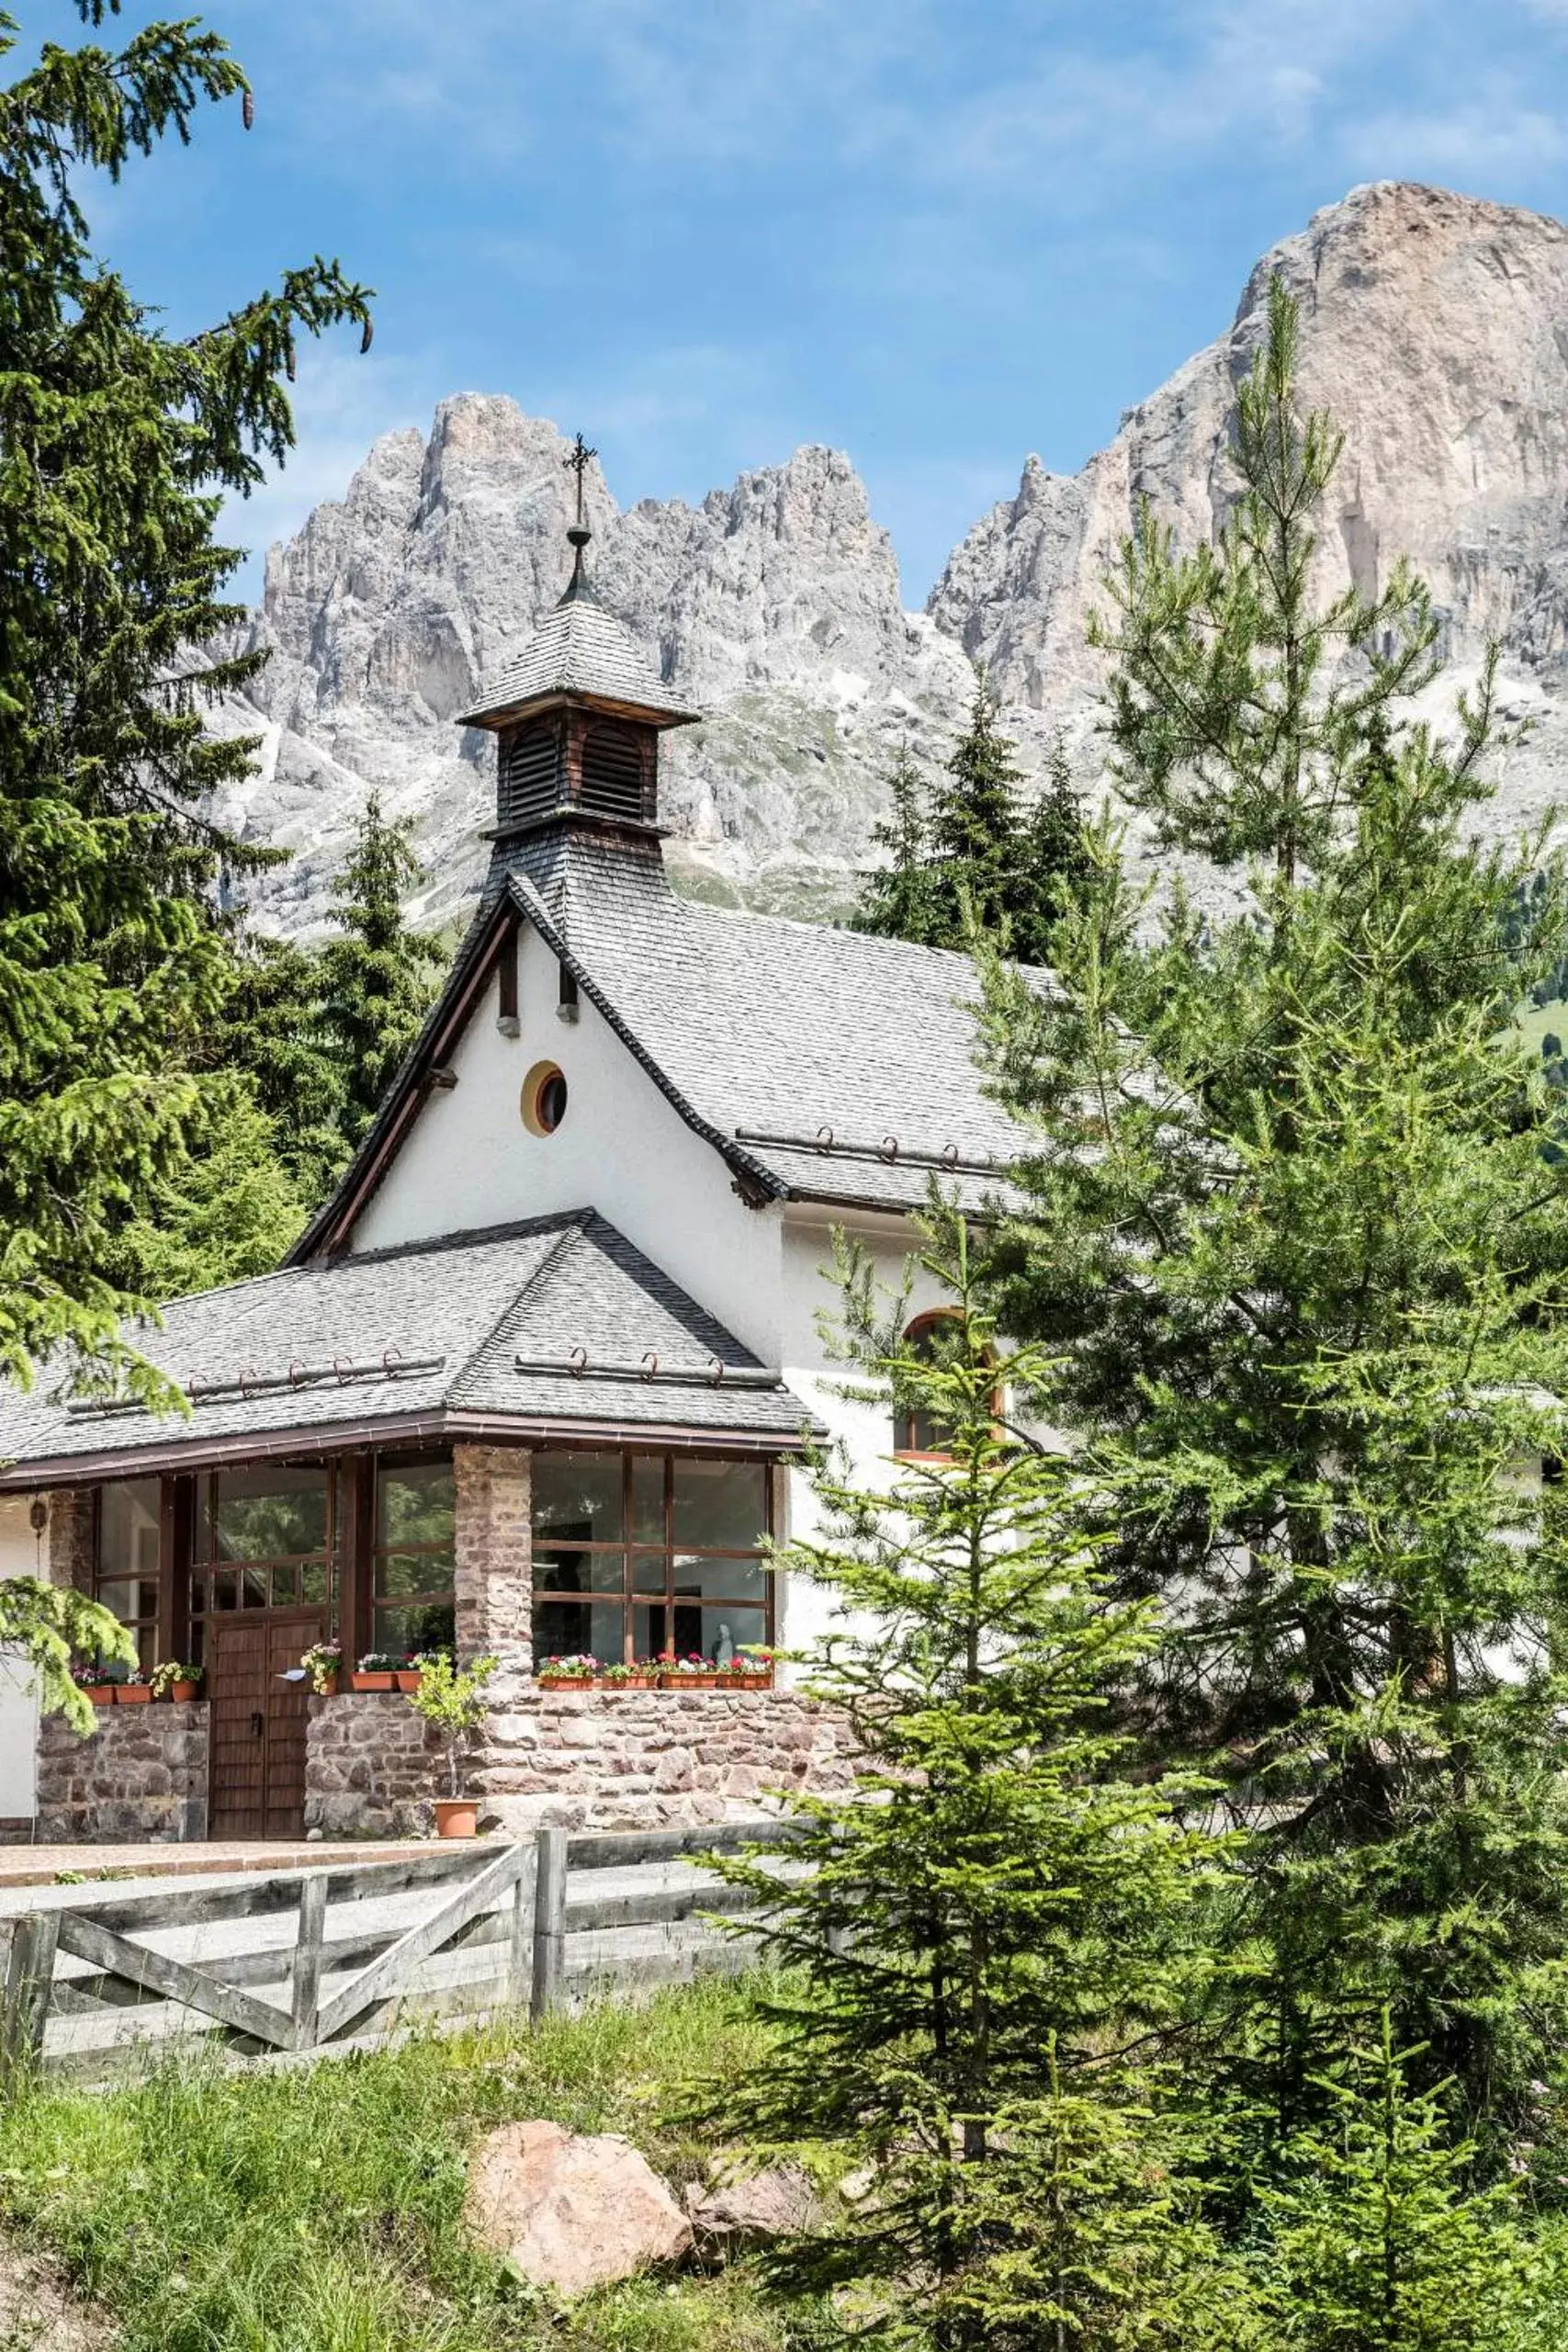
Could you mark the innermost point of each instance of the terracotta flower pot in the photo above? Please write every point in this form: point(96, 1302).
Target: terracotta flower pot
point(358, 1681)
point(100, 1694)
point(688, 1681)
point(457, 1817)
point(632, 1683)
point(409, 1677)
point(132, 1694)
point(565, 1682)
point(184, 1691)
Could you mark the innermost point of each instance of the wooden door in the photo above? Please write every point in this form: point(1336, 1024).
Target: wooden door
point(257, 1727)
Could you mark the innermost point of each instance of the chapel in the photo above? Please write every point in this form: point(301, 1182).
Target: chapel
point(533, 1381)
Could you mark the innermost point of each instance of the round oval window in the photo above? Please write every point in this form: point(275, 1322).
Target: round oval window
point(544, 1099)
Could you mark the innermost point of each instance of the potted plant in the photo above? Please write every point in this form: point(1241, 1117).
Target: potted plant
point(562, 1673)
point(97, 1682)
point(452, 1698)
point(693, 1672)
point(377, 1670)
point(408, 1672)
point(134, 1691)
point(642, 1676)
point(172, 1680)
point(324, 1663)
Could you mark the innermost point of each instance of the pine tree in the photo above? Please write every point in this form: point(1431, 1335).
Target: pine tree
point(116, 445)
point(378, 977)
point(1297, 1232)
point(1376, 2239)
point(993, 1914)
point(226, 1212)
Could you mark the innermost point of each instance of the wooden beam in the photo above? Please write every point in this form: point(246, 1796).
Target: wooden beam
point(549, 1924)
point(172, 1981)
point(382, 1979)
point(29, 1980)
point(306, 1986)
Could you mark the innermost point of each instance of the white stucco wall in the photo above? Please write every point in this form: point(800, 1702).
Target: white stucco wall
point(18, 1708)
point(621, 1150)
point(805, 1611)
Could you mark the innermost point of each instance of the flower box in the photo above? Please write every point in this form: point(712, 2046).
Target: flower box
point(373, 1678)
point(132, 1694)
point(100, 1694)
point(183, 1692)
point(409, 1677)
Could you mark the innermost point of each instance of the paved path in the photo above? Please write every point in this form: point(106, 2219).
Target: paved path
point(50, 1865)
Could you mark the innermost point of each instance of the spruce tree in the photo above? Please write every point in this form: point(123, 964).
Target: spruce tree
point(896, 900)
point(118, 442)
point(973, 852)
point(274, 1034)
point(990, 1922)
point(1376, 2239)
point(378, 976)
point(1296, 1230)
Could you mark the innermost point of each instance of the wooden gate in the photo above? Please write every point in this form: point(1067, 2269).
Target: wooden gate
point(256, 1762)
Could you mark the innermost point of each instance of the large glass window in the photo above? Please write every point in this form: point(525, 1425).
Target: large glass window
point(265, 1538)
point(642, 1555)
point(127, 1580)
point(412, 1565)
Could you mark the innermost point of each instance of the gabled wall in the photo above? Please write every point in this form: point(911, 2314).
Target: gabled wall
point(469, 1161)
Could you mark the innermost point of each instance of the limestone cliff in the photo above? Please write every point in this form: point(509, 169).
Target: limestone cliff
point(1434, 326)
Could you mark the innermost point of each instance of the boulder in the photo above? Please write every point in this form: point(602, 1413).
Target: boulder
point(780, 2202)
point(571, 2211)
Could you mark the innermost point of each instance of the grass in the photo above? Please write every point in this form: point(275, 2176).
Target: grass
point(319, 2210)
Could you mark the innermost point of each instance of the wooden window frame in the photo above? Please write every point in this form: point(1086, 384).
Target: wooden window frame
point(203, 1563)
point(903, 1451)
point(631, 1547)
point(375, 1606)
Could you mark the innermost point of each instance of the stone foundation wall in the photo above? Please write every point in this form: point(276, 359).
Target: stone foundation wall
point(582, 1759)
point(651, 1760)
point(373, 1768)
point(140, 1773)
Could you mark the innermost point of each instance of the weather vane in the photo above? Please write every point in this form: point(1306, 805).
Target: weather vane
point(577, 461)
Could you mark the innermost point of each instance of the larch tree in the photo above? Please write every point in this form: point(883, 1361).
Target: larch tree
point(987, 1945)
point(1294, 1230)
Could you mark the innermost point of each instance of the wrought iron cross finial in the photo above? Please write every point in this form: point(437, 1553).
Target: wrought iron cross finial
point(577, 461)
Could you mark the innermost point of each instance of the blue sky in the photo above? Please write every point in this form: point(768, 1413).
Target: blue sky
point(937, 233)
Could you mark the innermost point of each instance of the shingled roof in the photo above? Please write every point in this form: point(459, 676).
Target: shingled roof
point(554, 1326)
point(843, 1067)
point(584, 653)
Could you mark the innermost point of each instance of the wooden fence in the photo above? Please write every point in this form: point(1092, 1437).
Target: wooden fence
point(295, 1961)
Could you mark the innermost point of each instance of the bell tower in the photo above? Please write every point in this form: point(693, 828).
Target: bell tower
point(578, 718)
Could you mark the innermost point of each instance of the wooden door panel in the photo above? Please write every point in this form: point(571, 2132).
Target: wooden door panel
point(258, 1724)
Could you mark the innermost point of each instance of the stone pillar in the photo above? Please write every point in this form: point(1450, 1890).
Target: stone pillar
point(494, 1573)
point(69, 1547)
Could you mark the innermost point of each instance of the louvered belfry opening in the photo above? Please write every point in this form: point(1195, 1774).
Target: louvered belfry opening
point(616, 769)
point(530, 771)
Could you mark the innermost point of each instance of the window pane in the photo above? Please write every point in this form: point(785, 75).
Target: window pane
point(558, 1571)
point(647, 1497)
point(649, 1631)
point(577, 1497)
point(399, 1574)
point(721, 1506)
point(268, 1514)
point(414, 1502)
point(405, 1631)
point(285, 1587)
point(721, 1579)
point(128, 1529)
point(573, 1628)
point(648, 1571)
point(316, 1581)
point(224, 1596)
point(717, 1632)
point(253, 1588)
point(129, 1599)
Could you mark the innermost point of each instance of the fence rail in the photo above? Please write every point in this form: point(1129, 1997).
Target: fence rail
point(299, 1961)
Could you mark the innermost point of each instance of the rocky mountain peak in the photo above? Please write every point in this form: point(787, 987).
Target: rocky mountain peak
point(1434, 326)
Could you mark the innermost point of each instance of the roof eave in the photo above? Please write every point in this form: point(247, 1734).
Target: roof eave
point(492, 717)
point(439, 1423)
